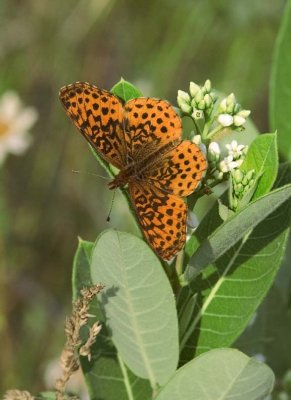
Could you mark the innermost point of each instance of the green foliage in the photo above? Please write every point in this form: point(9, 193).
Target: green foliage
point(262, 156)
point(126, 90)
point(106, 375)
point(229, 291)
point(280, 86)
point(234, 229)
point(138, 304)
point(220, 374)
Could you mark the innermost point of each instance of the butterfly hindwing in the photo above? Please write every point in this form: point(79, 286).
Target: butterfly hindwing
point(162, 217)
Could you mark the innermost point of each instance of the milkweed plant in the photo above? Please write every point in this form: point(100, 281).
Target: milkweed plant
point(143, 328)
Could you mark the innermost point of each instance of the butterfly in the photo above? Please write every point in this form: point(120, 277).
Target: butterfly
point(143, 139)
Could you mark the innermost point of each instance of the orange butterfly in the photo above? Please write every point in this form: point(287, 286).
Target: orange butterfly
point(143, 139)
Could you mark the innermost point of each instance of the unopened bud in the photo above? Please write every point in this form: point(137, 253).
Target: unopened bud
point(207, 85)
point(197, 139)
point(193, 89)
point(199, 96)
point(201, 105)
point(243, 113)
point(237, 175)
point(183, 95)
point(207, 100)
point(238, 120)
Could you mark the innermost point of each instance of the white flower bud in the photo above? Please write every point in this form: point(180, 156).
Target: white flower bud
point(184, 96)
point(193, 89)
point(222, 106)
point(243, 113)
point(201, 105)
point(207, 85)
point(207, 100)
point(237, 175)
point(214, 148)
point(199, 96)
point(197, 140)
point(231, 100)
point(185, 107)
point(225, 120)
point(238, 120)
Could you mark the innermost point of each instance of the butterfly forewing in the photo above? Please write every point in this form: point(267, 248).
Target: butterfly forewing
point(98, 114)
point(150, 123)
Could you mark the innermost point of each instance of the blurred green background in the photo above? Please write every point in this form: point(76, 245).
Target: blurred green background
point(157, 45)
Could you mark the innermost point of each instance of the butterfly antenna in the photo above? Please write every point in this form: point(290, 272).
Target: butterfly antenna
point(111, 206)
point(90, 173)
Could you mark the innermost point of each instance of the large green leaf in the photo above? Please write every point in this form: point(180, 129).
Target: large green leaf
point(126, 90)
point(234, 229)
point(228, 292)
point(138, 303)
point(106, 375)
point(262, 156)
point(280, 85)
point(223, 374)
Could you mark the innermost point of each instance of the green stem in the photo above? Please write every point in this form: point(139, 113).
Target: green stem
point(214, 131)
point(125, 378)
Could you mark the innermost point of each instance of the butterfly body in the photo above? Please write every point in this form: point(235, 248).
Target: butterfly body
point(143, 139)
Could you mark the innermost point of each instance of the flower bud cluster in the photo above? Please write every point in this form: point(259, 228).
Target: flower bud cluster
point(230, 113)
point(199, 101)
point(230, 162)
point(242, 182)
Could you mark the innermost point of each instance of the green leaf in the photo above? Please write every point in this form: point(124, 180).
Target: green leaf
point(220, 374)
point(230, 291)
point(126, 90)
point(280, 85)
point(81, 276)
point(138, 303)
point(106, 375)
point(234, 229)
point(262, 156)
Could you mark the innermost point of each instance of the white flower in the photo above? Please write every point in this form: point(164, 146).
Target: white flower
point(15, 121)
point(225, 119)
point(235, 150)
point(228, 164)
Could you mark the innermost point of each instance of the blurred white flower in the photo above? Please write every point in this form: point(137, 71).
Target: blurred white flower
point(235, 150)
point(228, 164)
point(15, 122)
